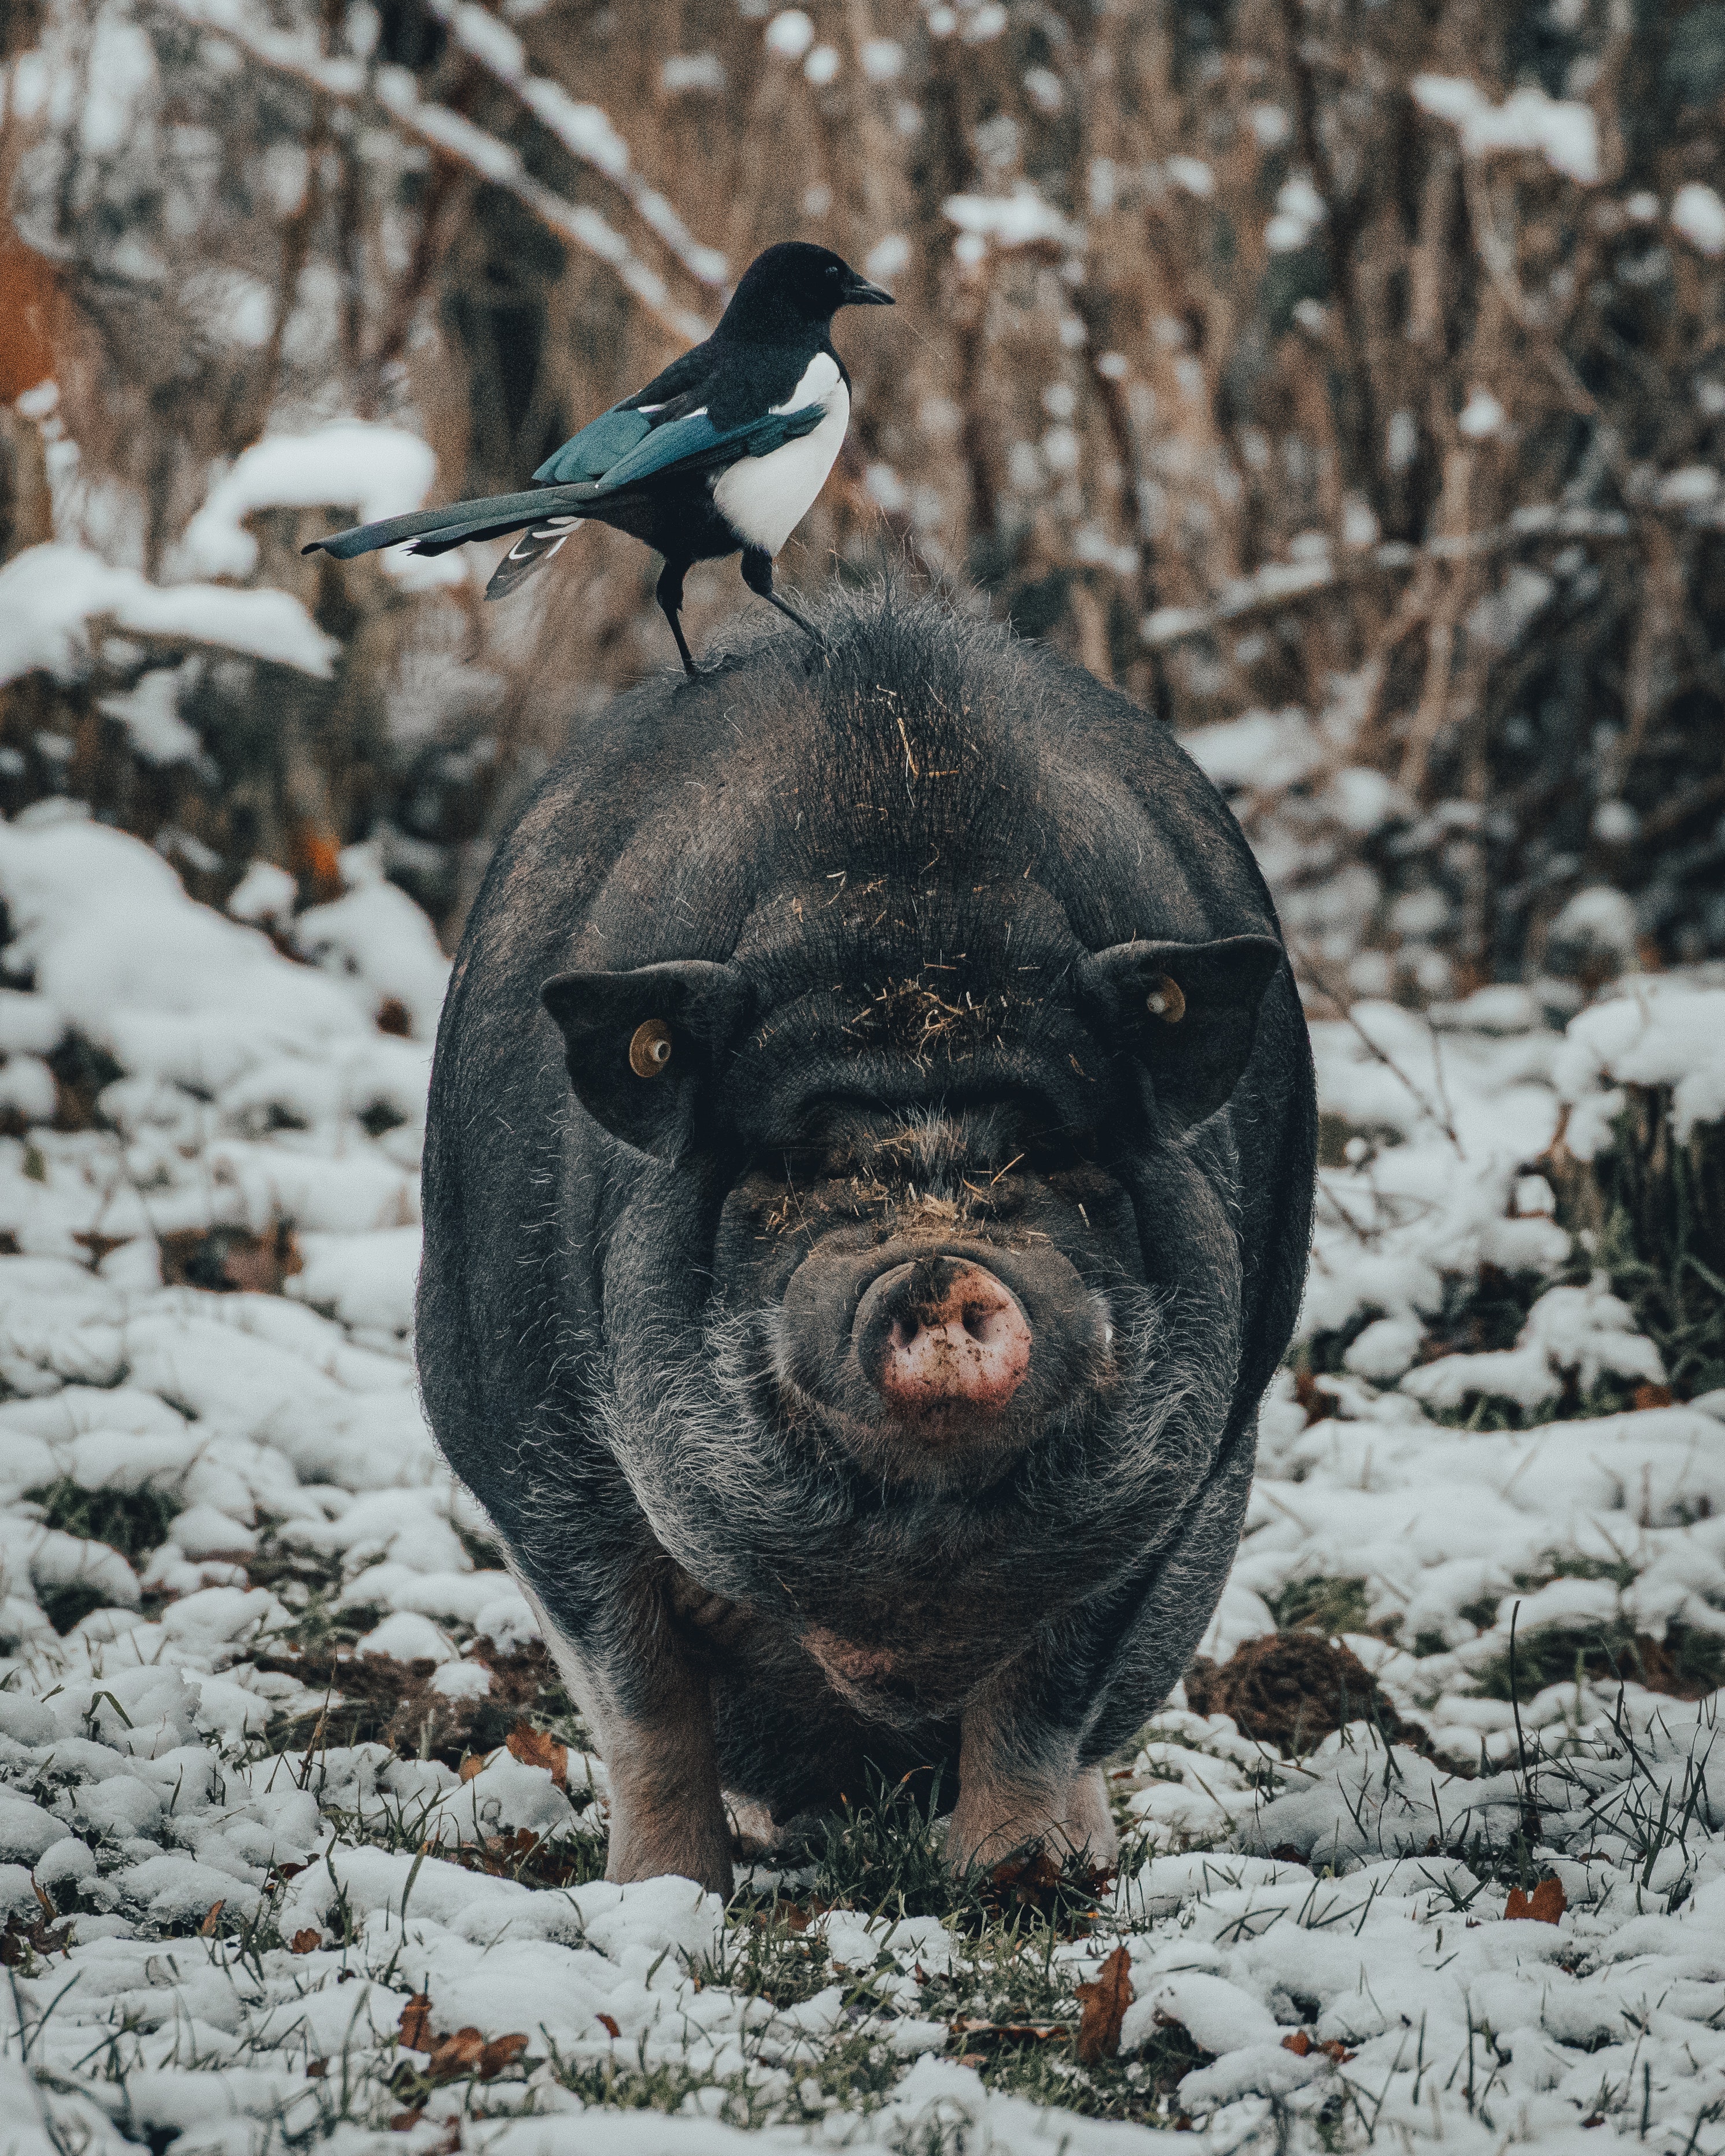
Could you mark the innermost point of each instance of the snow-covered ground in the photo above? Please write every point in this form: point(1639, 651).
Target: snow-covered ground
point(228, 1922)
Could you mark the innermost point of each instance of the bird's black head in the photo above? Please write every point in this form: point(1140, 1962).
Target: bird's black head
point(795, 287)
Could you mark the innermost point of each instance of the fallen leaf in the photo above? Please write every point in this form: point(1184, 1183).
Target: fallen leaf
point(1653, 1396)
point(500, 2052)
point(1021, 2032)
point(609, 2026)
point(452, 2056)
point(1105, 2003)
point(1545, 1905)
point(404, 2122)
point(415, 2023)
point(207, 1929)
point(538, 1747)
point(315, 2069)
point(474, 1764)
point(307, 1942)
point(1303, 2046)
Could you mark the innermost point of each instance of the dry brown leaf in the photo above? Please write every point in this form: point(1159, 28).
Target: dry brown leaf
point(1303, 2046)
point(474, 1764)
point(307, 1942)
point(608, 2025)
point(452, 2056)
point(500, 2052)
point(213, 1916)
point(1105, 2003)
point(538, 1747)
point(415, 2023)
point(1545, 1905)
point(967, 2024)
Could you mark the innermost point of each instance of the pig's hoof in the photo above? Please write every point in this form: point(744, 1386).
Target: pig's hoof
point(1076, 1825)
point(698, 1850)
point(753, 1834)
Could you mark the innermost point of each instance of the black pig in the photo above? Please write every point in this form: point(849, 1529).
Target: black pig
point(867, 1192)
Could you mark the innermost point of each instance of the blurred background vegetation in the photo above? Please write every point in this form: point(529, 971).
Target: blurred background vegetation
point(1345, 381)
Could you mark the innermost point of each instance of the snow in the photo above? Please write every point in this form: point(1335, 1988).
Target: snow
point(51, 595)
point(789, 34)
point(150, 713)
point(1564, 132)
point(1300, 209)
point(375, 470)
point(1698, 214)
point(1651, 1032)
point(1019, 219)
point(378, 943)
point(1354, 1900)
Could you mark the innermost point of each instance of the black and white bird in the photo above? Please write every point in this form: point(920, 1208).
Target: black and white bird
point(725, 451)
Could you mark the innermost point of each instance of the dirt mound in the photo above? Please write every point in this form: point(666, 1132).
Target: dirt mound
point(1290, 1690)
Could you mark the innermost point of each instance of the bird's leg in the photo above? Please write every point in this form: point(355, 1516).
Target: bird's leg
point(758, 575)
point(670, 601)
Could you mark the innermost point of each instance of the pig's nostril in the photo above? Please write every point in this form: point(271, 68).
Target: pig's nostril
point(947, 1336)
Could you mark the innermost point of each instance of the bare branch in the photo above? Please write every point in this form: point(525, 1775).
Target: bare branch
point(585, 130)
point(393, 92)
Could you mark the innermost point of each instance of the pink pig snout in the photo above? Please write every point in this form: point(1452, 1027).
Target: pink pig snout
point(942, 1333)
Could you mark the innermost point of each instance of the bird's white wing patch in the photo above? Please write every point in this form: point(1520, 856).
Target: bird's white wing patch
point(820, 378)
point(764, 499)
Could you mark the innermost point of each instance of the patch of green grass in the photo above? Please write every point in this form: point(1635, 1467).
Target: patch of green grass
point(883, 1853)
point(1484, 1311)
point(1329, 1606)
point(1570, 1564)
point(1686, 1664)
point(69, 1604)
point(1661, 1240)
point(133, 1521)
point(1489, 1411)
point(1322, 1355)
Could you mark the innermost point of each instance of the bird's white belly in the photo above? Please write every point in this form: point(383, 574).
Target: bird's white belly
point(764, 499)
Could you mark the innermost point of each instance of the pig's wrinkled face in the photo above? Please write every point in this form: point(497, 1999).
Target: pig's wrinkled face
point(909, 1337)
point(933, 1283)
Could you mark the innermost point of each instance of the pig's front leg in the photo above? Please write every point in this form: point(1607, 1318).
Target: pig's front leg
point(666, 1814)
point(1020, 1783)
point(652, 1717)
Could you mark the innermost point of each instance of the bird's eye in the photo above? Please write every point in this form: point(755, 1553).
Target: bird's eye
point(650, 1048)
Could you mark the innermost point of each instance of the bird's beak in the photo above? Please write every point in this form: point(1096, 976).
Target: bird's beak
point(860, 293)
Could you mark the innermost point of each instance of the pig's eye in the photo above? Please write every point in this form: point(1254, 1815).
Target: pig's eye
point(650, 1048)
point(1164, 1001)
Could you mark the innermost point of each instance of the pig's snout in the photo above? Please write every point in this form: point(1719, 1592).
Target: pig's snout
point(941, 1334)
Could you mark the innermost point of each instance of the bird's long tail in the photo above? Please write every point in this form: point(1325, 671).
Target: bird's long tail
point(545, 516)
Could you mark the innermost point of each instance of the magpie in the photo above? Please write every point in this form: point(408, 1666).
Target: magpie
point(725, 451)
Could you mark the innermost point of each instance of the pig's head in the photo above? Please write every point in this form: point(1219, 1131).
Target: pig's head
point(918, 1250)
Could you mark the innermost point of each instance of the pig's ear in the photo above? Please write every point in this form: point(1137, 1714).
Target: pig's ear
point(1186, 1012)
point(642, 1047)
